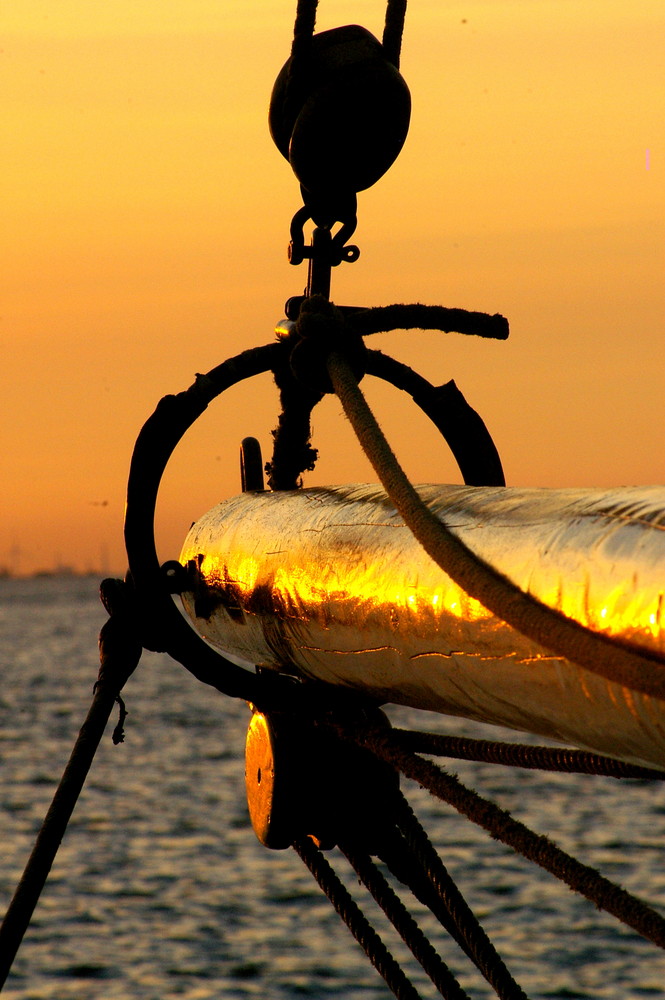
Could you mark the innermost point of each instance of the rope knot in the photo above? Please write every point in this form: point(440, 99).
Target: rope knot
point(319, 331)
point(120, 647)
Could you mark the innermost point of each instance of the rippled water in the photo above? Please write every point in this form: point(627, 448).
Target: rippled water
point(161, 890)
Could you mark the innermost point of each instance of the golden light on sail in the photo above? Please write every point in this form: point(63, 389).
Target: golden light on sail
point(330, 584)
point(310, 591)
point(330, 566)
point(628, 611)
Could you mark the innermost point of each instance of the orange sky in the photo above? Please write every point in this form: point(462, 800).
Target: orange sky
point(145, 221)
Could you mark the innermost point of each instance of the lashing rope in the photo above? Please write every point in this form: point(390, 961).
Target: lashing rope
point(404, 923)
point(521, 755)
point(416, 316)
point(502, 826)
point(302, 380)
point(293, 453)
point(346, 907)
point(431, 882)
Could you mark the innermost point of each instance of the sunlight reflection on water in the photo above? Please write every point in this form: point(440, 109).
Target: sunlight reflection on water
point(161, 890)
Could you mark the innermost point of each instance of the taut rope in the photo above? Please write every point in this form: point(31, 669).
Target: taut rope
point(549, 628)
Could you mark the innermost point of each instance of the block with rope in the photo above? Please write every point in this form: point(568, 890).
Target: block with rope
point(272, 578)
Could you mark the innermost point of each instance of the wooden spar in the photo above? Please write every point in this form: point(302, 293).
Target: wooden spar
point(329, 584)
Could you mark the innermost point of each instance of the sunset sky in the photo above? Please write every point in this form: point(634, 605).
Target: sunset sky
point(145, 219)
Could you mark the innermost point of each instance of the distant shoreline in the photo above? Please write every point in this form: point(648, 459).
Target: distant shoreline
point(64, 572)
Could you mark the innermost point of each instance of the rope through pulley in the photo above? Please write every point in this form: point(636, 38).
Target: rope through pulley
point(309, 788)
point(339, 113)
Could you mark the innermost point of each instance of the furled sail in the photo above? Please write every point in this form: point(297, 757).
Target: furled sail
point(329, 583)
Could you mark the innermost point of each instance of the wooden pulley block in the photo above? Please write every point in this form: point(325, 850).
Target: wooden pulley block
point(302, 781)
point(340, 112)
point(272, 780)
point(286, 778)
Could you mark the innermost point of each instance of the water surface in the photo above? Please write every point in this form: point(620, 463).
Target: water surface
point(161, 890)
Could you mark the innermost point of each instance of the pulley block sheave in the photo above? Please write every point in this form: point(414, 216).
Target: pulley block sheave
point(339, 113)
point(302, 781)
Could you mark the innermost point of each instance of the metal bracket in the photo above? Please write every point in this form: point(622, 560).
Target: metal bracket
point(251, 466)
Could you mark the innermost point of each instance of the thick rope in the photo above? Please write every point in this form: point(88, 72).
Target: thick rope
point(119, 654)
point(293, 453)
point(411, 858)
point(305, 22)
point(396, 855)
point(355, 920)
point(463, 429)
point(303, 28)
point(405, 925)
point(415, 316)
point(501, 826)
point(393, 30)
point(521, 755)
point(53, 828)
point(495, 592)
